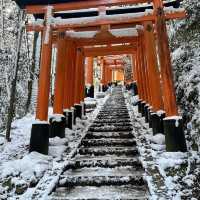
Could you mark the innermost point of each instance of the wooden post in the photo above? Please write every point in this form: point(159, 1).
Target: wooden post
point(165, 61)
point(138, 75)
point(68, 76)
point(110, 75)
point(134, 74)
point(89, 71)
point(60, 82)
point(152, 66)
point(173, 125)
point(73, 73)
point(102, 71)
point(145, 70)
point(78, 74)
point(69, 83)
point(39, 140)
point(44, 78)
point(106, 74)
point(141, 77)
point(82, 77)
point(143, 73)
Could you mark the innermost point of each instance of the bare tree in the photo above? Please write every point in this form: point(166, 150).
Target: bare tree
point(11, 109)
point(32, 72)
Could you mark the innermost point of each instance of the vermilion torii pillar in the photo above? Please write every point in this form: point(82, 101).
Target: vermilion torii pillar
point(157, 114)
point(89, 71)
point(152, 65)
point(173, 125)
point(102, 71)
point(144, 74)
point(165, 61)
point(67, 103)
point(61, 72)
point(40, 131)
point(69, 83)
point(79, 83)
point(138, 77)
point(89, 79)
point(109, 75)
point(140, 73)
point(58, 120)
point(134, 75)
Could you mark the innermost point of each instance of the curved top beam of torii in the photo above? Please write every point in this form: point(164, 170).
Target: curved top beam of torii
point(38, 6)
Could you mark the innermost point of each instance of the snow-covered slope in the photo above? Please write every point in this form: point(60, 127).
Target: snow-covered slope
point(185, 44)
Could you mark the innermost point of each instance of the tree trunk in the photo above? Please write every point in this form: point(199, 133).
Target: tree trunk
point(11, 109)
point(32, 72)
point(2, 25)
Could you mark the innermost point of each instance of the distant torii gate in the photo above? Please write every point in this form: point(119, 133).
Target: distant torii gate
point(157, 97)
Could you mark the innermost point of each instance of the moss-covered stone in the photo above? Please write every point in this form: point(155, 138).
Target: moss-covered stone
point(20, 189)
point(7, 183)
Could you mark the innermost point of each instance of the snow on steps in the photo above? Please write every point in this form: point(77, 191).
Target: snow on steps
point(106, 165)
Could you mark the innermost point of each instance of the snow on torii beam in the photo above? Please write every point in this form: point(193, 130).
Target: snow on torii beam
point(115, 66)
point(37, 9)
point(99, 21)
point(113, 61)
point(110, 50)
point(93, 41)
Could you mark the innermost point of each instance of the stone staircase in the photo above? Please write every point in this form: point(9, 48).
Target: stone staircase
point(106, 165)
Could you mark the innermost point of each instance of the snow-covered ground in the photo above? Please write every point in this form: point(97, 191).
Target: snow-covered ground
point(170, 175)
point(24, 175)
point(27, 175)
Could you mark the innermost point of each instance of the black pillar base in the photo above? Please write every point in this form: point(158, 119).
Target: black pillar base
point(91, 91)
point(79, 109)
point(157, 123)
point(139, 106)
point(69, 118)
point(39, 141)
point(57, 127)
point(74, 115)
point(142, 108)
point(174, 135)
point(146, 113)
point(135, 88)
point(84, 109)
point(150, 117)
point(104, 88)
point(86, 91)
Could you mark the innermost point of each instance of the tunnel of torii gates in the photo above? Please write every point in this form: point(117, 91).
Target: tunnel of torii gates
point(139, 31)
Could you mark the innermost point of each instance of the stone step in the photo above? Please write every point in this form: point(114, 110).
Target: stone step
point(114, 108)
point(120, 134)
point(117, 111)
point(120, 115)
point(112, 121)
point(100, 171)
point(112, 117)
point(127, 192)
point(105, 163)
point(108, 142)
point(108, 150)
point(110, 128)
point(117, 124)
point(69, 181)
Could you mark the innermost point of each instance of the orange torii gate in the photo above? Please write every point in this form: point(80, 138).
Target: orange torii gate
point(157, 97)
